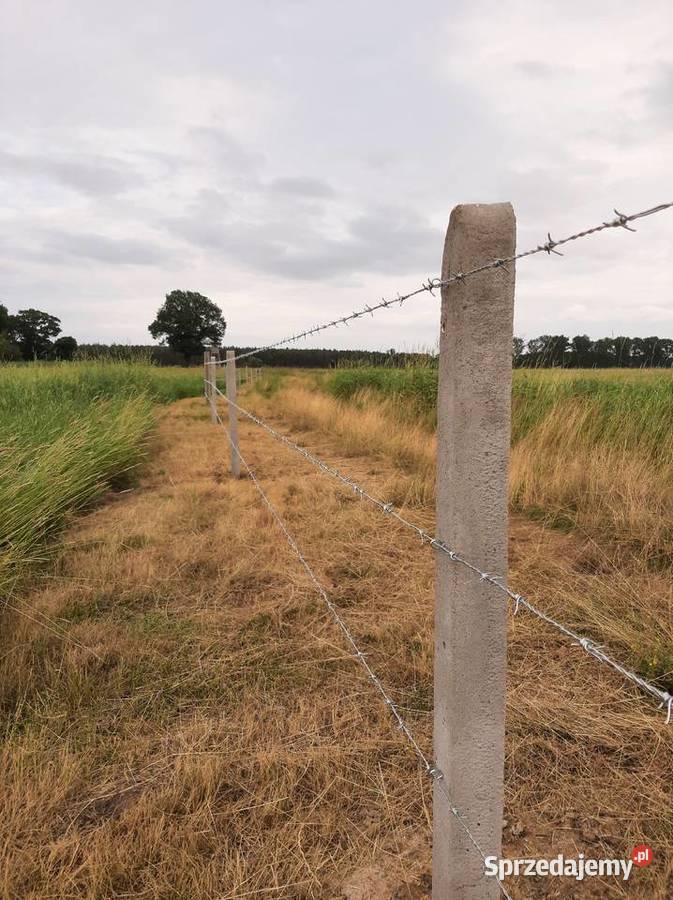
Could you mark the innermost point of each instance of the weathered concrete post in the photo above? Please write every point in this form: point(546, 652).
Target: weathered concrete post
point(473, 438)
point(233, 412)
point(212, 377)
point(206, 388)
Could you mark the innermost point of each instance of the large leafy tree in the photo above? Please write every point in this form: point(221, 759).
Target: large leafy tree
point(32, 331)
point(548, 349)
point(188, 322)
point(581, 347)
point(518, 349)
point(64, 347)
point(8, 350)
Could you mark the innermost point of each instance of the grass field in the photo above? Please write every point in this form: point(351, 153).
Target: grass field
point(179, 716)
point(591, 456)
point(591, 449)
point(68, 432)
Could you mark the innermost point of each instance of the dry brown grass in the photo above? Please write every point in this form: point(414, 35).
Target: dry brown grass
point(607, 489)
point(367, 425)
point(221, 744)
point(623, 521)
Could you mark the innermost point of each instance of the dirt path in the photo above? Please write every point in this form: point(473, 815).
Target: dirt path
point(216, 741)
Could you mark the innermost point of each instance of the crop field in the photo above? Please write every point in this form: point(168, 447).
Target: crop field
point(179, 715)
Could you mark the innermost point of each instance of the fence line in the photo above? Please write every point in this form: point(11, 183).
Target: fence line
point(430, 768)
point(548, 247)
point(594, 650)
point(470, 636)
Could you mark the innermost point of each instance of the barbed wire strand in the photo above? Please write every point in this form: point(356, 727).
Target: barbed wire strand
point(433, 771)
point(548, 247)
point(664, 697)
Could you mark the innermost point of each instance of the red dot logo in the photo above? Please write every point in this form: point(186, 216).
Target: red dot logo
point(642, 855)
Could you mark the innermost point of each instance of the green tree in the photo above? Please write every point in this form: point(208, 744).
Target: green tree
point(581, 347)
point(9, 352)
point(547, 350)
point(518, 350)
point(64, 347)
point(32, 330)
point(188, 322)
point(623, 349)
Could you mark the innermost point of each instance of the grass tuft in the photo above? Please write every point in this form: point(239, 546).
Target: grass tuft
point(68, 433)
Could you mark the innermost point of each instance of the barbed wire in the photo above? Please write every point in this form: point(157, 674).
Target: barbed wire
point(549, 246)
point(430, 768)
point(593, 649)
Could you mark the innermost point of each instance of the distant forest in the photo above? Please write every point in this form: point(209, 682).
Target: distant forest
point(580, 352)
point(546, 351)
point(291, 357)
point(188, 321)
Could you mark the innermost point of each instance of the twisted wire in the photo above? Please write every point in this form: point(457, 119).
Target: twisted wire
point(549, 246)
point(594, 650)
point(432, 770)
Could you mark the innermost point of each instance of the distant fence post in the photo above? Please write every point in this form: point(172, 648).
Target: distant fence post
point(212, 377)
point(206, 387)
point(233, 412)
point(473, 438)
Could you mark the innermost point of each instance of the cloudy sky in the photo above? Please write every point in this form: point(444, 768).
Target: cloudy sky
point(294, 160)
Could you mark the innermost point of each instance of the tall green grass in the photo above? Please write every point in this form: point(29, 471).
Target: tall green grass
point(591, 448)
point(69, 431)
point(413, 389)
point(629, 408)
point(595, 450)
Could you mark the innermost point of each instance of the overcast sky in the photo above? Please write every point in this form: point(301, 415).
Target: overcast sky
point(294, 160)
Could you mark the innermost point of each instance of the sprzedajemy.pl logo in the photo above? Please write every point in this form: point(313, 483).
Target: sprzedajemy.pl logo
point(577, 867)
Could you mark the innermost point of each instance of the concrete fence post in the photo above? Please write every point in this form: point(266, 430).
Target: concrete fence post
point(473, 438)
point(212, 377)
point(233, 412)
point(206, 388)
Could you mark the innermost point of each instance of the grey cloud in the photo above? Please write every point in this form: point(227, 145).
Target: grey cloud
point(227, 152)
point(302, 186)
point(271, 134)
point(542, 71)
point(94, 176)
point(101, 248)
point(381, 240)
point(535, 191)
point(660, 93)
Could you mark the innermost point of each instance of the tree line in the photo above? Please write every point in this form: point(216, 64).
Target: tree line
point(581, 352)
point(187, 323)
point(290, 357)
point(33, 334)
